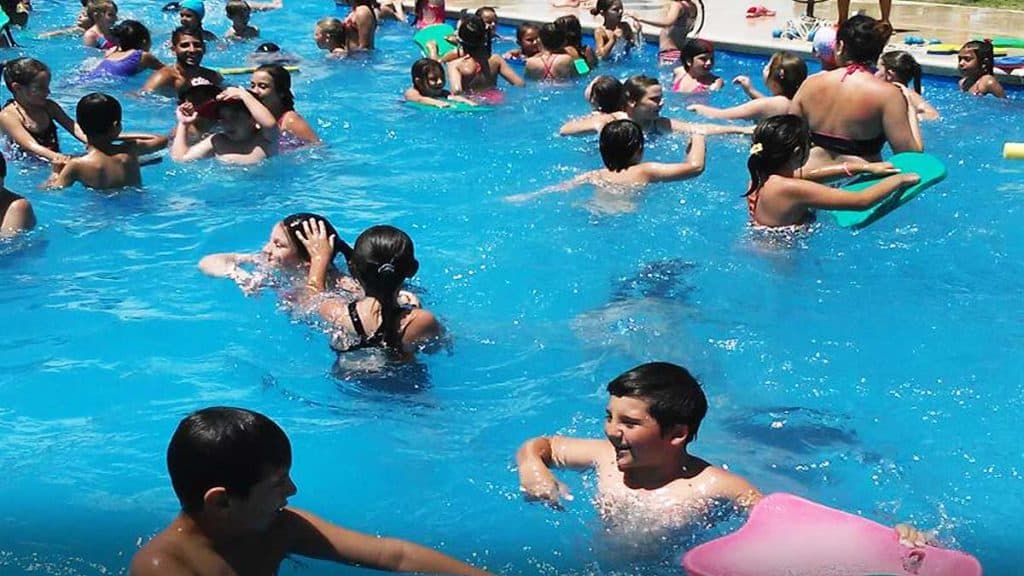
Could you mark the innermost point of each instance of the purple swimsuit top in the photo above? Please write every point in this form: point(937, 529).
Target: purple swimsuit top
point(128, 66)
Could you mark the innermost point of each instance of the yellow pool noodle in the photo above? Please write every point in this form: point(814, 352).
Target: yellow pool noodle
point(1013, 150)
point(250, 70)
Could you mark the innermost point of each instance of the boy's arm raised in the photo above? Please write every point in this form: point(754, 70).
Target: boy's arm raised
point(316, 538)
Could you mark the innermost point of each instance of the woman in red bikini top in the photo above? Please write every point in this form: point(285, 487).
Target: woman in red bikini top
point(552, 63)
point(478, 69)
point(850, 113)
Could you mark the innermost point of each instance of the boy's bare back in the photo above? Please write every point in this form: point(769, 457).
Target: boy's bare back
point(117, 167)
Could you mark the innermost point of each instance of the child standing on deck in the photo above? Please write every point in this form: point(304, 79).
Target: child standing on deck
point(112, 158)
point(230, 469)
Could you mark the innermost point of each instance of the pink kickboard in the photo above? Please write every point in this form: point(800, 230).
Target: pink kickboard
point(789, 536)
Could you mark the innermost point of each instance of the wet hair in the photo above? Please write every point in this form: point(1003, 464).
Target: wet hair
point(96, 7)
point(267, 48)
point(606, 94)
point(620, 142)
point(904, 67)
point(381, 260)
point(635, 87)
point(224, 447)
point(180, 31)
point(552, 37)
point(788, 70)
point(418, 9)
point(863, 39)
point(984, 53)
point(695, 47)
point(673, 395)
point(523, 28)
point(570, 25)
point(22, 71)
point(484, 10)
point(423, 66)
point(775, 140)
point(473, 32)
point(96, 114)
point(602, 6)
point(237, 8)
point(282, 83)
point(292, 225)
point(131, 35)
point(333, 29)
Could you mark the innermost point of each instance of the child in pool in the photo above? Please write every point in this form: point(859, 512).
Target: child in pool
point(675, 25)
point(16, 213)
point(248, 136)
point(478, 69)
point(613, 36)
point(606, 97)
point(112, 158)
point(381, 260)
point(782, 194)
point(428, 85)
point(82, 23)
point(622, 150)
point(191, 13)
point(30, 119)
point(230, 469)
point(901, 69)
point(239, 12)
point(552, 63)
point(570, 25)
point(361, 23)
point(131, 54)
point(783, 75)
point(528, 39)
point(490, 17)
point(103, 14)
point(272, 84)
point(695, 76)
point(331, 35)
point(429, 12)
point(976, 61)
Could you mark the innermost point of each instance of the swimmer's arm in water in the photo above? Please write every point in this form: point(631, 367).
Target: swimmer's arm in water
point(604, 42)
point(16, 131)
point(900, 128)
point(537, 456)
point(734, 488)
point(455, 77)
point(691, 166)
point(988, 85)
point(463, 99)
point(510, 75)
point(813, 195)
point(151, 62)
point(62, 32)
point(413, 95)
point(560, 187)
point(145, 142)
point(314, 537)
point(301, 129)
point(62, 118)
point(585, 125)
point(748, 88)
point(674, 125)
point(847, 169)
point(753, 109)
point(64, 175)
point(180, 150)
point(160, 81)
point(227, 264)
point(264, 6)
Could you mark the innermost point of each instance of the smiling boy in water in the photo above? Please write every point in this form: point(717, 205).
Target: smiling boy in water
point(230, 470)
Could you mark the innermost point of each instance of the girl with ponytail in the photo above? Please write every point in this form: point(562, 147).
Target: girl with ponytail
point(901, 69)
point(381, 261)
point(272, 84)
point(782, 194)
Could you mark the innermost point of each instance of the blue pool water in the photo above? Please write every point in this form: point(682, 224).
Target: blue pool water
point(875, 371)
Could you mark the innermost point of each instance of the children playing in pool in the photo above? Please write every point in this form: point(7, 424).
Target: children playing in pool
point(230, 469)
point(552, 62)
point(30, 119)
point(428, 86)
point(428, 13)
point(975, 62)
point(249, 132)
point(902, 69)
point(331, 35)
point(613, 36)
point(103, 14)
point(239, 12)
point(783, 75)
point(16, 213)
point(191, 13)
point(112, 158)
point(528, 40)
point(189, 48)
point(131, 54)
point(478, 69)
point(695, 76)
point(781, 193)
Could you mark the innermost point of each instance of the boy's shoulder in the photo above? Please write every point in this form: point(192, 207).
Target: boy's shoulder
point(167, 553)
point(713, 482)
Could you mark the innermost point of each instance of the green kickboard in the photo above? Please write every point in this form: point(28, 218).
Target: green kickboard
point(928, 167)
point(1006, 42)
point(454, 107)
point(438, 33)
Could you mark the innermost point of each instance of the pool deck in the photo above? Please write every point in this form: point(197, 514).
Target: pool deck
point(727, 26)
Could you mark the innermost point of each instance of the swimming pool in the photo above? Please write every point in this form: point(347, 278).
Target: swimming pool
point(874, 371)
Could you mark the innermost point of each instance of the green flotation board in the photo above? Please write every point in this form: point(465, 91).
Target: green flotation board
point(438, 33)
point(455, 106)
point(1005, 42)
point(928, 167)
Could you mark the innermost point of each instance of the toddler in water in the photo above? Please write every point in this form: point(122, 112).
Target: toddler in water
point(428, 85)
point(103, 14)
point(248, 136)
point(781, 193)
point(330, 35)
point(239, 12)
point(16, 213)
point(429, 12)
point(695, 76)
point(528, 39)
point(131, 54)
point(29, 120)
point(613, 36)
point(783, 75)
point(976, 61)
point(112, 158)
point(901, 69)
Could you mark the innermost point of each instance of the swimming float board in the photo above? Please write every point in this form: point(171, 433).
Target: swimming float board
point(928, 167)
point(789, 536)
point(455, 106)
point(249, 70)
point(954, 48)
point(1009, 62)
point(1005, 42)
point(438, 33)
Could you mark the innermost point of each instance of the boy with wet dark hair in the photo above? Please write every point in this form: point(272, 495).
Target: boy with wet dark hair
point(230, 470)
point(111, 159)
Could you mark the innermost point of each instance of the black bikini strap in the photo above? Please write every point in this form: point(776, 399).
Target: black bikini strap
point(357, 324)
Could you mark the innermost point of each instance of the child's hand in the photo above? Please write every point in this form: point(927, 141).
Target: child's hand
point(59, 162)
point(314, 237)
point(878, 168)
point(698, 108)
point(232, 93)
point(908, 179)
point(546, 489)
point(743, 81)
point(186, 113)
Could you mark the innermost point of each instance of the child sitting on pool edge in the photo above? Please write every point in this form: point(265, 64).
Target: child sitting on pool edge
point(428, 86)
point(230, 469)
point(112, 158)
point(248, 136)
